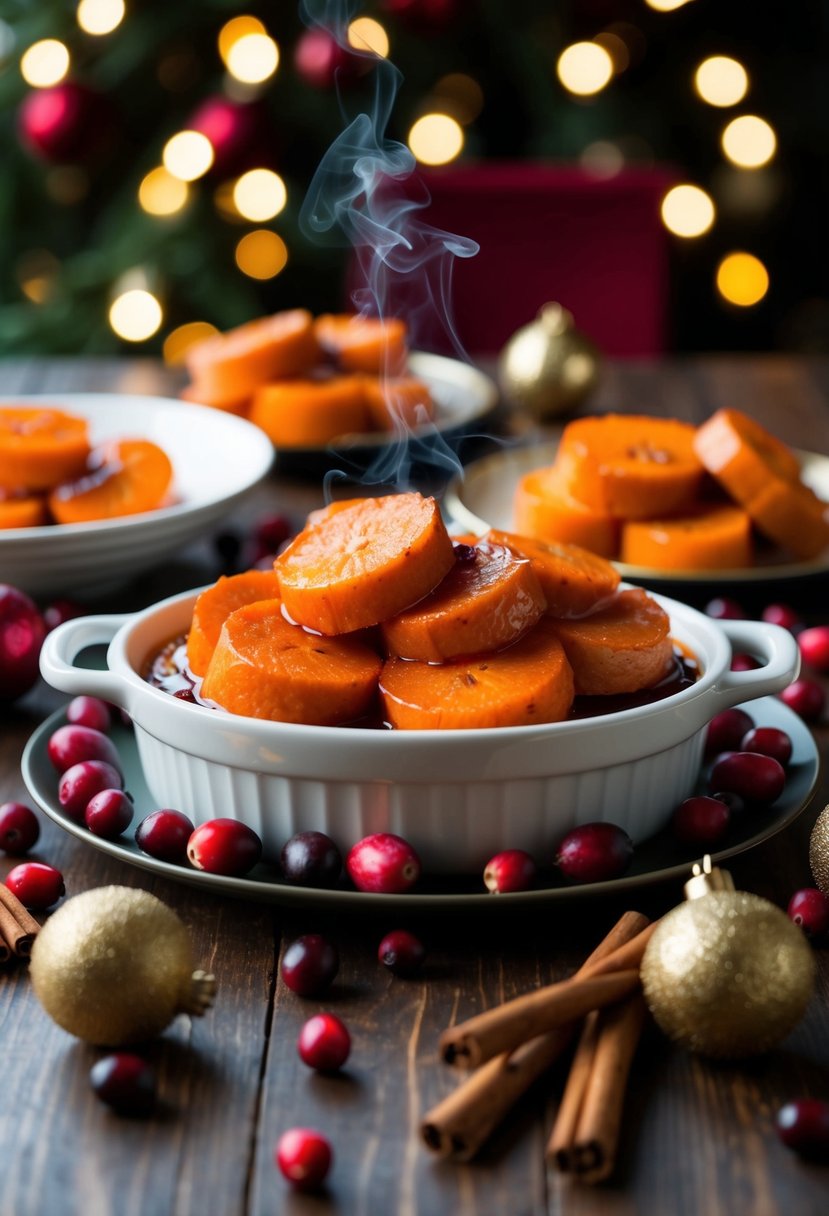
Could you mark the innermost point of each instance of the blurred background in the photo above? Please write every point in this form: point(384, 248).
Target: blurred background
point(659, 166)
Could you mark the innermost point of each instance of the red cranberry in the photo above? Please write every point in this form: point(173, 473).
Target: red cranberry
point(164, 834)
point(724, 609)
point(755, 777)
point(401, 952)
point(804, 1126)
point(71, 744)
point(512, 870)
point(224, 846)
point(744, 662)
point(464, 553)
point(304, 1157)
point(726, 731)
point(108, 813)
point(272, 531)
point(734, 802)
point(125, 1082)
point(595, 852)
point(36, 885)
point(809, 908)
point(60, 611)
point(21, 636)
point(780, 614)
point(311, 859)
point(769, 741)
point(310, 964)
point(91, 712)
point(805, 697)
point(324, 1043)
point(383, 862)
point(82, 782)
point(814, 646)
point(701, 820)
point(19, 828)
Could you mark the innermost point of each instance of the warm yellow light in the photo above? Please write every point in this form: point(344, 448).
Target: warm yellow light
point(749, 141)
point(188, 155)
point(162, 194)
point(253, 58)
point(45, 63)
point(435, 139)
point(687, 211)
point(135, 315)
point(179, 341)
point(584, 68)
point(742, 279)
point(721, 81)
point(602, 158)
point(459, 95)
point(665, 6)
point(36, 272)
point(259, 195)
point(366, 34)
point(261, 254)
point(100, 16)
point(236, 28)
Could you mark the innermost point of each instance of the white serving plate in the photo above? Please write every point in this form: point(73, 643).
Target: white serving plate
point(217, 458)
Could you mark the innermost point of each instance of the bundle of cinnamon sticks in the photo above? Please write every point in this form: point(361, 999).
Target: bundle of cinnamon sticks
point(510, 1046)
point(18, 928)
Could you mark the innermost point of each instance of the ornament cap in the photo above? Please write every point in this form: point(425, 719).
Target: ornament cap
point(707, 878)
point(555, 318)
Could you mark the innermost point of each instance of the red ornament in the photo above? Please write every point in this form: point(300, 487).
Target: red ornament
point(425, 14)
point(236, 131)
point(66, 123)
point(321, 61)
point(21, 636)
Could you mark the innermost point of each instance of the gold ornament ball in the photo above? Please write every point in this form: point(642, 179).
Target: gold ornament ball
point(727, 975)
point(548, 367)
point(819, 851)
point(115, 965)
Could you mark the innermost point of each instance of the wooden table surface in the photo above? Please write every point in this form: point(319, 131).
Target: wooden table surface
point(698, 1137)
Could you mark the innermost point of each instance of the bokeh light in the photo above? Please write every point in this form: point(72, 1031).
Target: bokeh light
point(136, 315)
point(749, 141)
point(100, 17)
point(236, 28)
point(687, 211)
point(616, 48)
point(45, 63)
point(366, 34)
point(179, 340)
point(721, 81)
point(436, 139)
point(188, 155)
point(665, 6)
point(261, 254)
point(742, 279)
point(36, 272)
point(253, 58)
point(160, 193)
point(459, 96)
point(259, 195)
point(602, 158)
point(584, 68)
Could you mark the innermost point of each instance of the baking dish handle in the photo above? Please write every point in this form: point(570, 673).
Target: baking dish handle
point(64, 644)
point(777, 651)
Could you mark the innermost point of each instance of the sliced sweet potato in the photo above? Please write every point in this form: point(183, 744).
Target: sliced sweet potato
point(231, 365)
point(545, 509)
point(214, 606)
point(398, 402)
point(483, 605)
point(40, 447)
point(311, 413)
point(199, 395)
point(528, 683)
point(709, 538)
point(621, 647)
point(792, 515)
point(264, 667)
point(332, 508)
point(365, 563)
point(364, 344)
point(124, 477)
point(574, 580)
point(27, 511)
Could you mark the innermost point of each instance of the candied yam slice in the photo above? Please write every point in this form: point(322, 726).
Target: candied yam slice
point(710, 538)
point(22, 512)
point(483, 604)
point(364, 344)
point(398, 402)
point(214, 606)
point(311, 413)
point(631, 466)
point(265, 667)
point(574, 580)
point(231, 365)
point(741, 454)
point(41, 447)
point(365, 563)
point(621, 647)
point(333, 508)
point(792, 515)
point(543, 508)
point(529, 683)
point(124, 477)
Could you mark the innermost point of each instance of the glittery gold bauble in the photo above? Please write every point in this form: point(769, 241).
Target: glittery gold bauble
point(727, 974)
point(819, 851)
point(549, 366)
point(115, 965)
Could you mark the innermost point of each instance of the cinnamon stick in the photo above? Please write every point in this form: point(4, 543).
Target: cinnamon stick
point(18, 928)
point(563, 1135)
point(460, 1124)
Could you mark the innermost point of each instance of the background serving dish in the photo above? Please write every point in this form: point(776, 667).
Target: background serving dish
point(216, 458)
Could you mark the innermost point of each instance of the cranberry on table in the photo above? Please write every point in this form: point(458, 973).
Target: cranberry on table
point(311, 859)
point(324, 1043)
point(36, 885)
point(805, 697)
point(19, 828)
point(125, 1082)
point(780, 614)
point(510, 870)
point(310, 964)
point(770, 742)
point(108, 813)
point(74, 743)
point(61, 611)
point(304, 1157)
point(22, 631)
point(383, 863)
point(224, 846)
point(726, 731)
point(803, 1125)
point(82, 782)
point(272, 531)
point(401, 952)
point(744, 662)
point(809, 908)
point(722, 608)
point(814, 647)
point(755, 777)
point(164, 834)
point(701, 820)
point(595, 852)
point(91, 712)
